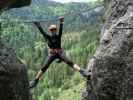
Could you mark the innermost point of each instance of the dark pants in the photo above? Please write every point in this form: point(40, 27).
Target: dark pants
point(58, 55)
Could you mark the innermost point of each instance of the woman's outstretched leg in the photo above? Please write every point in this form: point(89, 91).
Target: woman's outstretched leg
point(40, 73)
point(76, 67)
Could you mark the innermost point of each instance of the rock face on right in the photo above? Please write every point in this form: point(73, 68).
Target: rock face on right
point(112, 65)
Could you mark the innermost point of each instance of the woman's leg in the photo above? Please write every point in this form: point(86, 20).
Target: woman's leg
point(49, 60)
point(64, 58)
point(76, 67)
point(46, 65)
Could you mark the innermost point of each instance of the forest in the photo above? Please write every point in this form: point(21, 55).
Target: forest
point(80, 40)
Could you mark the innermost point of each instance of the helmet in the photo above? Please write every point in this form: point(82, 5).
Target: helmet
point(52, 27)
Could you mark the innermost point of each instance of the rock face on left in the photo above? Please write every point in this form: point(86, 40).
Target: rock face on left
point(13, 74)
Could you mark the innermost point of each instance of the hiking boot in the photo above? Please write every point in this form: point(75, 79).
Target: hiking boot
point(85, 73)
point(33, 83)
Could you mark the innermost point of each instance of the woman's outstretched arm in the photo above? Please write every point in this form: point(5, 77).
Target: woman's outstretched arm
point(61, 26)
point(38, 25)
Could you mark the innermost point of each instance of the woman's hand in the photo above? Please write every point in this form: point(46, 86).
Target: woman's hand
point(61, 19)
point(37, 23)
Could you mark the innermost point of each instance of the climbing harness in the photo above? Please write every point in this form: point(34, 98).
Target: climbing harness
point(55, 50)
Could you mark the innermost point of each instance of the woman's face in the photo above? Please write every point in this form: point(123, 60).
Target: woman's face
point(53, 31)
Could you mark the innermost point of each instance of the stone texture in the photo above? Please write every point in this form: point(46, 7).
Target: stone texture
point(14, 83)
point(112, 65)
point(13, 76)
point(13, 3)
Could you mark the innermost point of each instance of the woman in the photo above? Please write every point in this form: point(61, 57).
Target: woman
point(55, 51)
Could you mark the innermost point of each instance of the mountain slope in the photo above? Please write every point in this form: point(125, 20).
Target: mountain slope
point(47, 10)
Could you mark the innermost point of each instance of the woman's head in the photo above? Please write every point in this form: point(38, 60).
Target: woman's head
point(53, 28)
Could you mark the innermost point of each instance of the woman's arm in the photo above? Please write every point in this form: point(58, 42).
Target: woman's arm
point(61, 26)
point(38, 25)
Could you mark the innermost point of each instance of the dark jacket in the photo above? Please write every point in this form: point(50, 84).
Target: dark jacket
point(53, 41)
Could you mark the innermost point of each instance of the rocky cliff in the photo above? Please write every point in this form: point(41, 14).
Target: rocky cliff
point(112, 65)
point(4, 4)
point(13, 74)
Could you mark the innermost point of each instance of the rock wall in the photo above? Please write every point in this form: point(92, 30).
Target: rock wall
point(13, 3)
point(14, 83)
point(112, 65)
point(13, 76)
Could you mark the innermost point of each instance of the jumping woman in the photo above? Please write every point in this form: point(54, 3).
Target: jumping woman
point(55, 51)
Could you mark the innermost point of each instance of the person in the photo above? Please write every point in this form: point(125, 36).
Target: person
point(55, 51)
